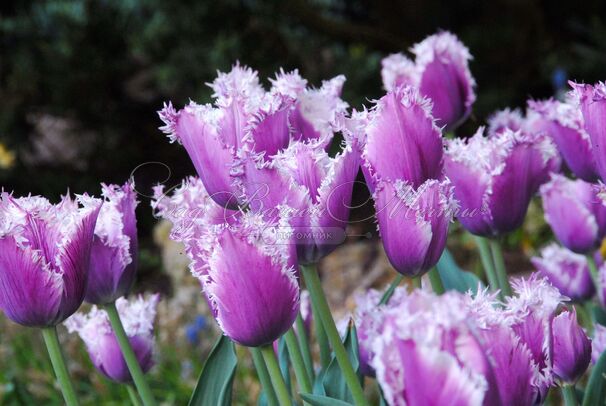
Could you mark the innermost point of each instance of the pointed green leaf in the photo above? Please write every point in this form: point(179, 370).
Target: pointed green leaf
point(595, 391)
point(453, 277)
point(217, 376)
point(333, 382)
point(318, 400)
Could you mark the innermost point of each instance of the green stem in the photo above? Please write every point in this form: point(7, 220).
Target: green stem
point(264, 377)
point(487, 262)
point(276, 375)
point(297, 361)
point(312, 280)
point(321, 337)
point(594, 271)
point(56, 356)
point(129, 356)
point(304, 346)
point(569, 395)
point(132, 394)
point(436, 281)
point(416, 282)
point(391, 289)
point(499, 265)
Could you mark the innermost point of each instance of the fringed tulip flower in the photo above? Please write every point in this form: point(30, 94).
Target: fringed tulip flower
point(571, 347)
point(495, 178)
point(567, 271)
point(45, 252)
point(94, 328)
point(402, 139)
point(115, 246)
point(563, 122)
point(318, 189)
point(440, 72)
point(245, 113)
point(575, 213)
point(592, 102)
point(413, 222)
point(247, 271)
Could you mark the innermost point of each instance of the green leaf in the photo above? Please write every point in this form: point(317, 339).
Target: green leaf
point(284, 361)
point(598, 314)
point(453, 277)
point(333, 381)
point(217, 376)
point(318, 400)
point(595, 391)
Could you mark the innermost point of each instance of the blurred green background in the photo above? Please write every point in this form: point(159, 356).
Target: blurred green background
point(81, 81)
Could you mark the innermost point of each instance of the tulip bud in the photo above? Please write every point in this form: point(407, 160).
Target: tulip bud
point(563, 122)
point(403, 141)
point(495, 178)
point(592, 101)
point(574, 212)
point(44, 257)
point(413, 222)
point(115, 246)
point(571, 347)
point(440, 72)
point(567, 271)
point(94, 328)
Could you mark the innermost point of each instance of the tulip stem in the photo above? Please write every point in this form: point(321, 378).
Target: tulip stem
point(58, 361)
point(297, 361)
point(312, 280)
point(129, 355)
point(593, 269)
point(264, 377)
point(391, 289)
point(416, 282)
point(499, 265)
point(569, 395)
point(132, 394)
point(487, 263)
point(304, 346)
point(436, 281)
point(276, 375)
point(321, 337)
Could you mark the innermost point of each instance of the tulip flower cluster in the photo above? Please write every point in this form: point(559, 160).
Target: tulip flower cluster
point(276, 168)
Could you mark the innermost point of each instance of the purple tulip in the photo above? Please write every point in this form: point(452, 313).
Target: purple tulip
point(115, 246)
point(44, 257)
point(598, 342)
point(574, 212)
point(402, 141)
point(245, 115)
point(440, 72)
point(571, 347)
point(317, 188)
point(95, 330)
point(495, 178)
point(592, 101)
point(503, 120)
point(248, 272)
point(567, 271)
point(413, 222)
point(564, 124)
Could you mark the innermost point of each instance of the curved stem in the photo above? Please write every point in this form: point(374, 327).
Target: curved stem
point(264, 377)
point(312, 280)
point(304, 346)
point(56, 356)
point(487, 262)
point(276, 375)
point(391, 289)
point(297, 361)
point(569, 395)
point(436, 281)
point(132, 394)
point(499, 265)
point(417, 283)
point(129, 356)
